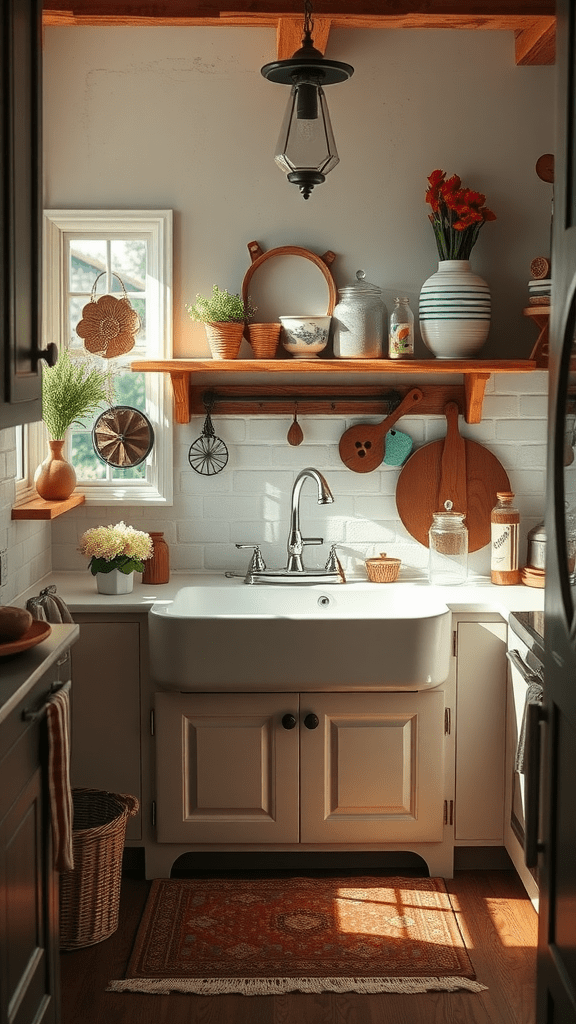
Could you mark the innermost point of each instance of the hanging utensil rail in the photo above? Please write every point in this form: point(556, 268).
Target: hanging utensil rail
point(356, 400)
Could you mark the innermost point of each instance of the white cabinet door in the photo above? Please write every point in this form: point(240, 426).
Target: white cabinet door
point(226, 768)
point(106, 709)
point(373, 769)
point(480, 732)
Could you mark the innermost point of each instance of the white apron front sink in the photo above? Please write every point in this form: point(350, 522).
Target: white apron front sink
point(232, 637)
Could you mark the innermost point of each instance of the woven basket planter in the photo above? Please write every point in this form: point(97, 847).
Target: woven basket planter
point(264, 339)
point(90, 893)
point(224, 339)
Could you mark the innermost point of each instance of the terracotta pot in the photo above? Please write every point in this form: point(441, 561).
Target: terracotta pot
point(55, 478)
point(157, 568)
point(224, 339)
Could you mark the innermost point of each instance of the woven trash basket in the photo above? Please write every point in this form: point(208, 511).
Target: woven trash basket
point(90, 893)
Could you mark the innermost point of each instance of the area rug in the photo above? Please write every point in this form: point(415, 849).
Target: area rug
point(269, 935)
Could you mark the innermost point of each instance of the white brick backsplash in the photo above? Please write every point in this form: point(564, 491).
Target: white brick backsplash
point(520, 430)
point(500, 407)
point(249, 501)
point(534, 383)
point(534, 405)
point(199, 530)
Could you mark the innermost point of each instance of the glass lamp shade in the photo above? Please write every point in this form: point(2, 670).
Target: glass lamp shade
point(306, 150)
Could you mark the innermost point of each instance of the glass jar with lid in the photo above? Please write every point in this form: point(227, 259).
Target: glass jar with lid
point(448, 548)
point(358, 320)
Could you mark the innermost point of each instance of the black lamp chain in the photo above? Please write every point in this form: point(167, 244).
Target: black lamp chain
point(308, 22)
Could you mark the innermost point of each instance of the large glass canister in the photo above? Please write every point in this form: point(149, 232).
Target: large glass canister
point(358, 320)
point(448, 548)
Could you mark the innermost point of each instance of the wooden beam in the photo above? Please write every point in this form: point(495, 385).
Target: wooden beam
point(536, 44)
point(290, 31)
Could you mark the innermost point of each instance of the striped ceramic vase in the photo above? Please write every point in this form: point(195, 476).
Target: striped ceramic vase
point(454, 311)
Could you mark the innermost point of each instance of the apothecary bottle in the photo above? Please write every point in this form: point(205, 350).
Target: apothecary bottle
point(448, 548)
point(157, 568)
point(504, 541)
point(358, 320)
point(401, 330)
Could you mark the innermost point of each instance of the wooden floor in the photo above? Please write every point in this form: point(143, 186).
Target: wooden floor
point(497, 920)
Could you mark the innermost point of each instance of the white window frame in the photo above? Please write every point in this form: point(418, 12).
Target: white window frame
point(59, 226)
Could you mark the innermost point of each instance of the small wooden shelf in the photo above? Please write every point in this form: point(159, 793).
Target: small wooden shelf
point(541, 317)
point(185, 373)
point(38, 508)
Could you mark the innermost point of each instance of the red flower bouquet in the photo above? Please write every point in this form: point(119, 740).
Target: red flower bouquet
point(457, 215)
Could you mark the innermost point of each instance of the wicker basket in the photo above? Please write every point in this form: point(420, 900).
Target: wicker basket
point(90, 893)
point(264, 339)
point(224, 339)
point(383, 569)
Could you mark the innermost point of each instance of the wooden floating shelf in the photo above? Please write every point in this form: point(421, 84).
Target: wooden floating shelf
point(38, 508)
point(191, 376)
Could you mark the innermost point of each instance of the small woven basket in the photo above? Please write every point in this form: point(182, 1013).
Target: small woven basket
point(264, 339)
point(90, 893)
point(224, 339)
point(383, 569)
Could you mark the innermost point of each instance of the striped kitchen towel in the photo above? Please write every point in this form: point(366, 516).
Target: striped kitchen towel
point(61, 806)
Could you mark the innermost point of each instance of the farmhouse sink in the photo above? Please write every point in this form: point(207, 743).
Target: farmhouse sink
point(230, 637)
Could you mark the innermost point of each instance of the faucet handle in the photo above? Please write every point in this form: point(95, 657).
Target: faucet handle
point(312, 540)
point(257, 563)
point(333, 563)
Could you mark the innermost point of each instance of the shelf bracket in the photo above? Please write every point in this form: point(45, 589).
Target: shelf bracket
point(474, 388)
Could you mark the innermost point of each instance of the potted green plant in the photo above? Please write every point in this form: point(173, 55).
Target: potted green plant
point(71, 390)
point(224, 317)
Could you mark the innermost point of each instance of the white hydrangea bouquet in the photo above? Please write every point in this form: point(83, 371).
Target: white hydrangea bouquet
point(116, 547)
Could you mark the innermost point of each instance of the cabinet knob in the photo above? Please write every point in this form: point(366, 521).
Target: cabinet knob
point(289, 721)
point(311, 721)
point(50, 354)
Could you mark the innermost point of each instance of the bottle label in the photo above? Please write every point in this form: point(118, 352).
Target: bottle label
point(504, 547)
point(400, 341)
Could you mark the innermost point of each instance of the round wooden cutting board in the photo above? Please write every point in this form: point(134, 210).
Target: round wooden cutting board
point(458, 470)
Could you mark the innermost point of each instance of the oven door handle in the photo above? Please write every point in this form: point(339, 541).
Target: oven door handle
point(528, 674)
point(536, 715)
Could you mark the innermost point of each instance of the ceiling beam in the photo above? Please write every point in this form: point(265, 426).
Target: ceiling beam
point(532, 21)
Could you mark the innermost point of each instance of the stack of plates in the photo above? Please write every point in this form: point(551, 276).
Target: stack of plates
point(539, 292)
point(533, 577)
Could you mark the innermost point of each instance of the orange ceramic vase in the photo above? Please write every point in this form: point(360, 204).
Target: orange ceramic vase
point(157, 568)
point(55, 478)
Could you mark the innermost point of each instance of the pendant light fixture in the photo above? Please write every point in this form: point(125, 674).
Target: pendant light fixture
point(306, 150)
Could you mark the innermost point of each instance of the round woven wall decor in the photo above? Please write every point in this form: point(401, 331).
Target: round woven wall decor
point(122, 437)
point(109, 325)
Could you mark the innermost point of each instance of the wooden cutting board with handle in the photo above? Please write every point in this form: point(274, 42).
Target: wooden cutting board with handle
point(456, 470)
point(363, 446)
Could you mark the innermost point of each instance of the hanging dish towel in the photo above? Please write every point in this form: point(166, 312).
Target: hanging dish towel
point(49, 607)
point(61, 806)
point(534, 695)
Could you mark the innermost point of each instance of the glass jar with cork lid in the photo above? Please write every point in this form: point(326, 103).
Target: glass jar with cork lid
point(504, 541)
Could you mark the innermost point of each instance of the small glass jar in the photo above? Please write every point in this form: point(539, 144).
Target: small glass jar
point(401, 331)
point(448, 548)
point(358, 320)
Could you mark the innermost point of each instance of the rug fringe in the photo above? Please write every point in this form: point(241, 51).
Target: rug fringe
point(277, 986)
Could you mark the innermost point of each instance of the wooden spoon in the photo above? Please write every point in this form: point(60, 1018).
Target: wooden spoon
point(362, 447)
point(295, 435)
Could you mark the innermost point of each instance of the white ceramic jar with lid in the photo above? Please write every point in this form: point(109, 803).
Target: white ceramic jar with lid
point(358, 320)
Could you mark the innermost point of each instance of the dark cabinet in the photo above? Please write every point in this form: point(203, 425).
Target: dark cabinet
point(28, 883)
point(21, 210)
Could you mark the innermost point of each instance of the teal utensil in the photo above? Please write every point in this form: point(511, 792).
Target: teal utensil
point(398, 448)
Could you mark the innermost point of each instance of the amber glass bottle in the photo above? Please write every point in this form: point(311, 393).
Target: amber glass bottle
point(504, 520)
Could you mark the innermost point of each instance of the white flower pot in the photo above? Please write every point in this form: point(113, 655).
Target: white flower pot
point(115, 582)
point(455, 311)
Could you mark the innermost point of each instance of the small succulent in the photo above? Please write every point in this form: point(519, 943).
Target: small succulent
point(221, 307)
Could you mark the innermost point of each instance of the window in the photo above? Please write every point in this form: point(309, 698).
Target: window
point(106, 252)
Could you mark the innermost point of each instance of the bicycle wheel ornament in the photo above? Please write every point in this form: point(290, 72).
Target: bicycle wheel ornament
point(122, 437)
point(208, 454)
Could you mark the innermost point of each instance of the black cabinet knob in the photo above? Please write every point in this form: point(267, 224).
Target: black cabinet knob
point(289, 721)
point(311, 721)
point(50, 353)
